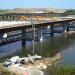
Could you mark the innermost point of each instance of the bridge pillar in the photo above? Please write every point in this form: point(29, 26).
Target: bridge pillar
point(72, 25)
point(66, 27)
point(23, 37)
point(48, 29)
point(0, 18)
point(52, 30)
point(40, 34)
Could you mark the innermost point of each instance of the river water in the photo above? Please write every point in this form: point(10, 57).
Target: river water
point(49, 47)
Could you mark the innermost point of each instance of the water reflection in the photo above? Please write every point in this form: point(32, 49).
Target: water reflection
point(48, 48)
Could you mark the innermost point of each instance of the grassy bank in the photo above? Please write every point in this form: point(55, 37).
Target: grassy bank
point(53, 70)
point(4, 71)
point(61, 70)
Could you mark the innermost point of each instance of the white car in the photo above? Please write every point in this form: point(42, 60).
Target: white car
point(14, 60)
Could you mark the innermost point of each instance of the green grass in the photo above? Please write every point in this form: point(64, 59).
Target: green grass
point(53, 70)
point(61, 70)
point(4, 71)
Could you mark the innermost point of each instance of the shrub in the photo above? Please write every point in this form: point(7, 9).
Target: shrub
point(61, 70)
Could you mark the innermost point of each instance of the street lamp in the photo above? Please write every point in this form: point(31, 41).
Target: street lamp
point(33, 39)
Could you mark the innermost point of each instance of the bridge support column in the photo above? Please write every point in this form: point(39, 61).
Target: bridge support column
point(48, 29)
point(66, 27)
point(23, 37)
point(52, 30)
point(72, 25)
point(0, 18)
point(40, 34)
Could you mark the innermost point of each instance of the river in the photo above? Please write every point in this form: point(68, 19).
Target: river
point(49, 47)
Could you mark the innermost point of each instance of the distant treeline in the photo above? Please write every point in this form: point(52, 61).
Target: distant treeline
point(69, 12)
point(3, 11)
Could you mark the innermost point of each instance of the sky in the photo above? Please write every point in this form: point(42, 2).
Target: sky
point(62, 4)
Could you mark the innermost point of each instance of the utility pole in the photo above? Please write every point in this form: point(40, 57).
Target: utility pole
point(33, 36)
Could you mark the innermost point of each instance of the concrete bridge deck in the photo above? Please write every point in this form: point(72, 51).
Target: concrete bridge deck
point(6, 26)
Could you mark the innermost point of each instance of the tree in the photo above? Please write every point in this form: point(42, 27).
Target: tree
point(69, 12)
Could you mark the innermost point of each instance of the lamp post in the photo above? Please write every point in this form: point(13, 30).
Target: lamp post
point(33, 35)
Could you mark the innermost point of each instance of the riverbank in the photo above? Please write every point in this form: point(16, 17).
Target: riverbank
point(36, 67)
point(52, 70)
point(45, 66)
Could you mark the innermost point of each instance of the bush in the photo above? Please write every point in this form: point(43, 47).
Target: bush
point(5, 72)
point(61, 70)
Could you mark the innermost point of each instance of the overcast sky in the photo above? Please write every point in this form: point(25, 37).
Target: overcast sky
point(10, 4)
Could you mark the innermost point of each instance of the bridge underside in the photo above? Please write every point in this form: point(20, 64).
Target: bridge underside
point(37, 25)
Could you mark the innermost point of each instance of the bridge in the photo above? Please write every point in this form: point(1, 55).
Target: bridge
point(26, 16)
point(26, 26)
point(6, 26)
